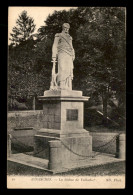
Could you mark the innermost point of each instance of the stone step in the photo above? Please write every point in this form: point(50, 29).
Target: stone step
point(42, 164)
point(28, 160)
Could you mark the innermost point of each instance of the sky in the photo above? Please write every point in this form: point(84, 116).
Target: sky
point(39, 14)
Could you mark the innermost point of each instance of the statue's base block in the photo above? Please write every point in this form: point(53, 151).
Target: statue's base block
point(63, 93)
point(68, 151)
point(63, 151)
point(63, 140)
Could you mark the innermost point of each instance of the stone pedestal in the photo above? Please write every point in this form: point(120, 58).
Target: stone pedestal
point(63, 137)
point(55, 161)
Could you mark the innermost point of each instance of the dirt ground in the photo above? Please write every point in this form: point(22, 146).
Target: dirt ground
point(112, 169)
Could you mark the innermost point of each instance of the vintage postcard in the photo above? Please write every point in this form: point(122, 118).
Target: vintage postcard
point(66, 98)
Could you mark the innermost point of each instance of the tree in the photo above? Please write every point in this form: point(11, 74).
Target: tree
point(102, 50)
point(23, 30)
point(99, 42)
point(21, 57)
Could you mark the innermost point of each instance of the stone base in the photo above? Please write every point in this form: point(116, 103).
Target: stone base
point(68, 151)
point(62, 93)
point(62, 133)
point(62, 149)
point(63, 140)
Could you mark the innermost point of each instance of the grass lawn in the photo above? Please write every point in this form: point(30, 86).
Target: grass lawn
point(117, 168)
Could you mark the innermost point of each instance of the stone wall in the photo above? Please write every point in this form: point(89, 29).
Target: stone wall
point(24, 119)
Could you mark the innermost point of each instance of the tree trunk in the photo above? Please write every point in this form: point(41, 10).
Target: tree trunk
point(105, 103)
point(34, 100)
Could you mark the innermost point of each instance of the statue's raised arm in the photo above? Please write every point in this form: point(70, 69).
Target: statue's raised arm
point(63, 51)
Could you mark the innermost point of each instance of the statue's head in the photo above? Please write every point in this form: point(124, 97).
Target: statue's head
point(65, 28)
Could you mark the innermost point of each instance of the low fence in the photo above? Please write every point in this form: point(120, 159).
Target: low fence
point(104, 142)
point(23, 140)
point(101, 142)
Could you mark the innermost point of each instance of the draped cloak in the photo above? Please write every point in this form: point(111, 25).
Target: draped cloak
point(63, 50)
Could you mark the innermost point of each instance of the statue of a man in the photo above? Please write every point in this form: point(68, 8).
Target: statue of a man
point(63, 51)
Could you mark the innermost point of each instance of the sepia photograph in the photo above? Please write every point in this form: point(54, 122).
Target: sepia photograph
point(66, 118)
